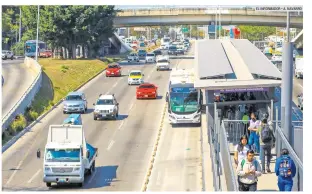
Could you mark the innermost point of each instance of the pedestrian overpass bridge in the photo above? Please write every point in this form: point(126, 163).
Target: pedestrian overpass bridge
point(202, 16)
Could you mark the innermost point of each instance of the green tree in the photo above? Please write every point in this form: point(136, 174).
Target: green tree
point(254, 33)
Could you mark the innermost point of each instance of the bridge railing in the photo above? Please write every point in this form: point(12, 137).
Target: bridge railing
point(201, 10)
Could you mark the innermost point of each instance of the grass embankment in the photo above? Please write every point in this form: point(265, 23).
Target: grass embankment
point(59, 77)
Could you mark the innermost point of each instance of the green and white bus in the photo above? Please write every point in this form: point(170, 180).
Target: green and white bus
point(184, 100)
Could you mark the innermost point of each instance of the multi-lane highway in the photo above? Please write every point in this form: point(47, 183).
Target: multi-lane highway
point(17, 79)
point(125, 145)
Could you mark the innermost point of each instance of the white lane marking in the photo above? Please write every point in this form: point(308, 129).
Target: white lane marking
point(32, 178)
point(131, 106)
point(158, 178)
point(121, 124)
point(110, 144)
point(15, 171)
point(113, 86)
point(94, 173)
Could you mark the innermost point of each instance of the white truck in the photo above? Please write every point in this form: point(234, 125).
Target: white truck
point(163, 63)
point(67, 157)
point(299, 68)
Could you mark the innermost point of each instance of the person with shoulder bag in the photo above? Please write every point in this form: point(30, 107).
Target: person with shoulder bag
point(267, 141)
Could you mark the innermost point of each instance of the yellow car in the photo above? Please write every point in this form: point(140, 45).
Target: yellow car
point(135, 77)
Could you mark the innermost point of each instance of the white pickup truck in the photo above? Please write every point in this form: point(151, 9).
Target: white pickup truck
point(67, 157)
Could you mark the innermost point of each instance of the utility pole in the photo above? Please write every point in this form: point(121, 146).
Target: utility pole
point(38, 33)
point(20, 26)
point(216, 24)
point(287, 87)
point(219, 21)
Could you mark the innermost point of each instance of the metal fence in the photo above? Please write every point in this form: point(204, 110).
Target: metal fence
point(232, 130)
point(26, 98)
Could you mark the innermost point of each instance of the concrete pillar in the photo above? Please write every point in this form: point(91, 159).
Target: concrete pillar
point(287, 89)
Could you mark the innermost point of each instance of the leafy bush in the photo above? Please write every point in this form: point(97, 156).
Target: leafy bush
point(17, 125)
point(18, 48)
point(31, 115)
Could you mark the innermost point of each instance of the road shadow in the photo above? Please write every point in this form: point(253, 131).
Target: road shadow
point(104, 177)
point(185, 125)
point(157, 98)
point(119, 118)
point(105, 174)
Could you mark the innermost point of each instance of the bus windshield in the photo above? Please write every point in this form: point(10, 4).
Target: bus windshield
point(184, 102)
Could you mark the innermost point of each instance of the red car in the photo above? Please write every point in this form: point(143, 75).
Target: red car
point(46, 54)
point(146, 90)
point(113, 70)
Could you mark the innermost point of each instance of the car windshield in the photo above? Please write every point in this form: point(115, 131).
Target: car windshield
point(74, 97)
point(172, 48)
point(135, 74)
point(142, 51)
point(146, 86)
point(162, 61)
point(105, 102)
point(183, 102)
point(150, 55)
point(113, 66)
point(62, 155)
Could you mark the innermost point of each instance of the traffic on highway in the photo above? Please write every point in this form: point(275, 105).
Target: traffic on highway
point(169, 111)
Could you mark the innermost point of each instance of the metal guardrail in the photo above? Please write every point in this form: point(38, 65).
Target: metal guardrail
point(231, 179)
point(232, 130)
point(26, 98)
point(282, 142)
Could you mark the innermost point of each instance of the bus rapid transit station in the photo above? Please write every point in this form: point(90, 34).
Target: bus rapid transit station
point(237, 79)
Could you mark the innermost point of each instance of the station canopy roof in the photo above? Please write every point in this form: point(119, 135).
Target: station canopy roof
point(234, 63)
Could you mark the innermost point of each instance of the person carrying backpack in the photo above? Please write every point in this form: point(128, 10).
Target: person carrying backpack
point(267, 140)
point(285, 169)
point(248, 171)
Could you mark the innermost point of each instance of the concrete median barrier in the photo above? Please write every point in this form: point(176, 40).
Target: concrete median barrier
point(27, 97)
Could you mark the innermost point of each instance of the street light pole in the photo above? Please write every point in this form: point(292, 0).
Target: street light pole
point(216, 24)
point(20, 26)
point(219, 21)
point(37, 33)
point(287, 87)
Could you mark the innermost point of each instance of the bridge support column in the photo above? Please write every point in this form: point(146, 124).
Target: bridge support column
point(287, 89)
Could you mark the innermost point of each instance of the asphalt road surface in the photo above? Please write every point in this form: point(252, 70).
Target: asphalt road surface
point(125, 145)
point(17, 79)
point(177, 166)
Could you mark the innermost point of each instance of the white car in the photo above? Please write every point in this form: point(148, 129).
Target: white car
point(133, 57)
point(7, 55)
point(164, 46)
point(163, 63)
point(106, 107)
point(150, 58)
point(135, 77)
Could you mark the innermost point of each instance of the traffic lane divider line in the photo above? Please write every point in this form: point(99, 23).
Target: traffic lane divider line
point(149, 171)
point(33, 177)
point(110, 144)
